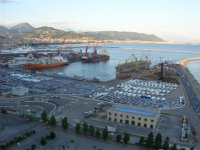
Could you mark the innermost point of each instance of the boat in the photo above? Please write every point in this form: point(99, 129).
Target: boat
point(132, 65)
point(95, 57)
point(20, 61)
point(165, 71)
point(46, 62)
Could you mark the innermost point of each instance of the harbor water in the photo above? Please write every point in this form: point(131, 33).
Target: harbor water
point(194, 68)
point(120, 52)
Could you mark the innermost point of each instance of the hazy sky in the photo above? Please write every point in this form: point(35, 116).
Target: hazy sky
point(175, 20)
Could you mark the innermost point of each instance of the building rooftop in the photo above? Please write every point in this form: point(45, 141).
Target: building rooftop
point(137, 110)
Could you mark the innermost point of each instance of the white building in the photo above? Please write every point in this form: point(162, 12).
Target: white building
point(136, 116)
point(20, 91)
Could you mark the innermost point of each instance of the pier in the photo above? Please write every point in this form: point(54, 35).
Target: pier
point(185, 61)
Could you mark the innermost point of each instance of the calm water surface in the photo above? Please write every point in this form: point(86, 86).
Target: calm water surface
point(120, 52)
point(194, 68)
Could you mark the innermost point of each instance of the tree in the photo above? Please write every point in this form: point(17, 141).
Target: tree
point(33, 147)
point(43, 141)
point(97, 133)
point(78, 128)
point(192, 148)
point(165, 145)
point(141, 141)
point(105, 133)
point(52, 121)
point(3, 111)
point(44, 116)
point(149, 141)
point(52, 135)
point(158, 141)
point(173, 147)
point(118, 138)
point(126, 138)
point(91, 130)
point(63, 147)
point(85, 128)
point(64, 123)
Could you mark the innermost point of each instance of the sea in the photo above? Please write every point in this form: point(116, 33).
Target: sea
point(120, 52)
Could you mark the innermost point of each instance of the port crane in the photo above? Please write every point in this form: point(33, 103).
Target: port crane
point(132, 58)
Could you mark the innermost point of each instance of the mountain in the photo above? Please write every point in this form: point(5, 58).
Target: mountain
point(25, 31)
point(123, 36)
point(4, 30)
point(21, 28)
point(49, 32)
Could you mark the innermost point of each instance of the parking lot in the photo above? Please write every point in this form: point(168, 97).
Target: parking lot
point(144, 93)
point(170, 126)
point(68, 139)
point(72, 107)
point(40, 83)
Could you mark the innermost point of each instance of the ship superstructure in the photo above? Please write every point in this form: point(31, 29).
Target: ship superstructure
point(94, 57)
point(132, 65)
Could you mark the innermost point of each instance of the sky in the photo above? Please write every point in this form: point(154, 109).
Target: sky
point(172, 20)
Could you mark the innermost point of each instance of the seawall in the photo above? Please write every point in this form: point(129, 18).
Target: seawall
point(192, 79)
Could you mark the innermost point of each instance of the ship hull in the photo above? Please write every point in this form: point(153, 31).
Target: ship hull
point(96, 59)
point(43, 66)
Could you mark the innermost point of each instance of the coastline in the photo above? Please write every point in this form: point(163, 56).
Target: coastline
point(192, 79)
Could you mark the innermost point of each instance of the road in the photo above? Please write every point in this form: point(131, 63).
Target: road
point(192, 107)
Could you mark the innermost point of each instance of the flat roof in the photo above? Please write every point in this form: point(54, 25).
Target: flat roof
point(137, 110)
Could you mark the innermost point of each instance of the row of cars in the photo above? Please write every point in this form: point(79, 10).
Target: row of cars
point(146, 93)
point(39, 83)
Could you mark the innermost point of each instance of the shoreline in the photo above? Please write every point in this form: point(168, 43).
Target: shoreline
point(192, 79)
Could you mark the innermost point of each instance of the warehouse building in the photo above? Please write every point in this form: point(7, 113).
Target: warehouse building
point(20, 91)
point(136, 116)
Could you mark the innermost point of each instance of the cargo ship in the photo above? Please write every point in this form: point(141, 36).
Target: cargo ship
point(46, 62)
point(165, 71)
point(132, 65)
point(20, 61)
point(94, 57)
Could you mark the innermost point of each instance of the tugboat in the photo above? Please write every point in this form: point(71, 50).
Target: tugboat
point(94, 57)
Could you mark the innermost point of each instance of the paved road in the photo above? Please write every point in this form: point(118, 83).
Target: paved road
point(192, 108)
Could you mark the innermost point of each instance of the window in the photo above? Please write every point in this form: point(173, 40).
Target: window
point(127, 116)
point(115, 114)
point(121, 121)
point(109, 119)
point(110, 113)
point(145, 119)
point(139, 118)
point(139, 124)
point(121, 115)
point(151, 126)
point(133, 122)
point(133, 117)
point(127, 121)
point(145, 125)
point(152, 120)
point(115, 120)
